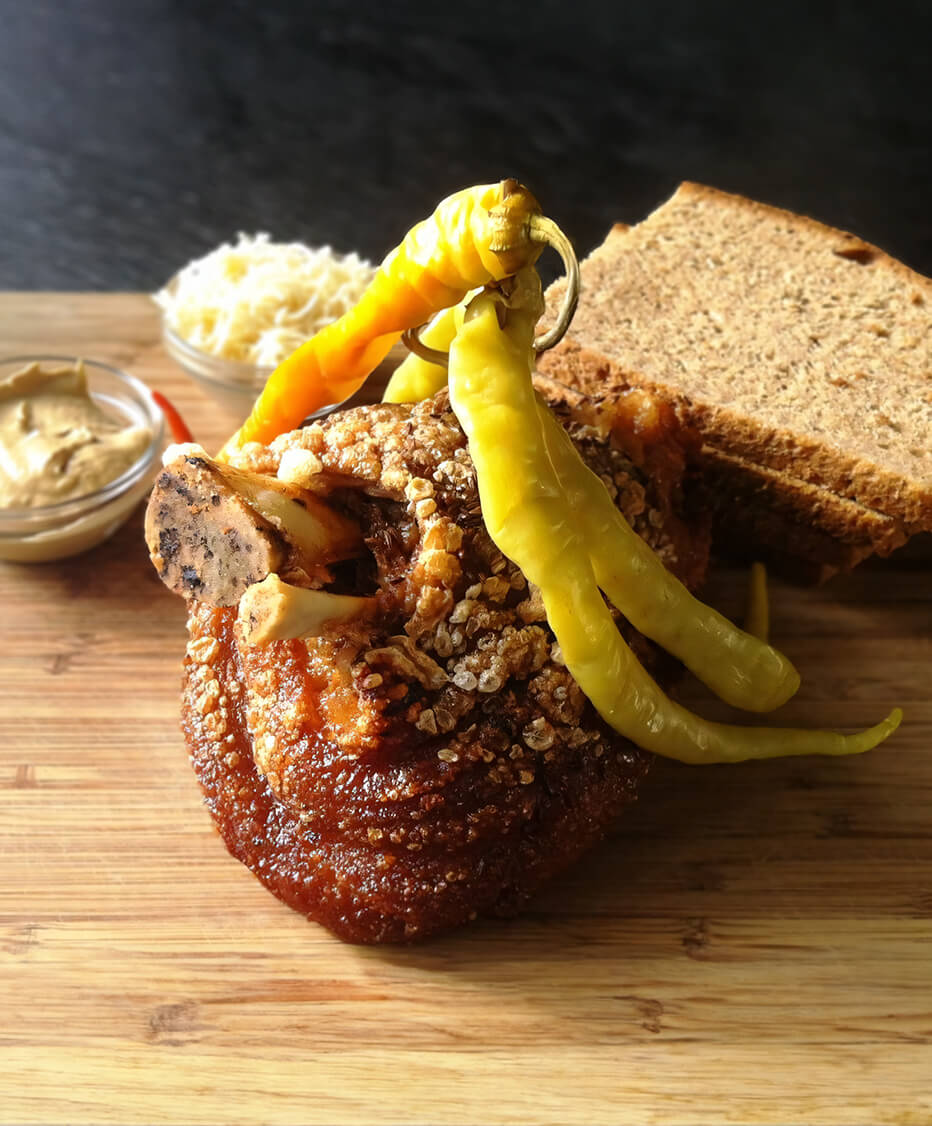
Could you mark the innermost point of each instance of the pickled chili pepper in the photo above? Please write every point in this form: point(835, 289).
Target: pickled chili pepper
point(474, 236)
point(180, 431)
point(417, 378)
point(533, 521)
point(741, 668)
point(737, 665)
point(757, 611)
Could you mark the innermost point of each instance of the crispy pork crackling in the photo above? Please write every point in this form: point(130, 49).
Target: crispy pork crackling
point(434, 761)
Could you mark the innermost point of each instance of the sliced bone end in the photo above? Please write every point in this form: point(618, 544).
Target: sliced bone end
point(313, 528)
point(272, 610)
point(204, 540)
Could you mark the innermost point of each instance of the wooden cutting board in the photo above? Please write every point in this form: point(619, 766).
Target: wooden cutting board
point(752, 944)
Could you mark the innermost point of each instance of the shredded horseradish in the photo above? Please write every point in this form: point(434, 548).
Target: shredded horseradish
point(258, 300)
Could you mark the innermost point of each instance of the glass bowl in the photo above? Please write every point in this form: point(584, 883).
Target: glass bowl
point(56, 531)
point(231, 383)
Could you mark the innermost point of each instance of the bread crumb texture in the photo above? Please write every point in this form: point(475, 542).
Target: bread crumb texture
point(785, 342)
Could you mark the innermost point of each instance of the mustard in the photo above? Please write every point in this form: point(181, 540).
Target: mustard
point(56, 444)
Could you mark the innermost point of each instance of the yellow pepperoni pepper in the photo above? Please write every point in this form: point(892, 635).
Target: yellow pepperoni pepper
point(735, 664)
point(416, 378)
point(739, 667)
point(532, 520)
point(474, 236)
point(757, 611)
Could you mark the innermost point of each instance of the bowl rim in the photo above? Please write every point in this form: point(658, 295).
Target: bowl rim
point(241, 374)
point(79, 506)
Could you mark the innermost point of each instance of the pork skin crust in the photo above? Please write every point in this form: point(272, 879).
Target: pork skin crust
point(438, 763)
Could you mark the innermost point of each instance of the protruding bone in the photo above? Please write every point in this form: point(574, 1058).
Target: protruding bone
point(274, 611)
point(308, 523)
point(213, 531)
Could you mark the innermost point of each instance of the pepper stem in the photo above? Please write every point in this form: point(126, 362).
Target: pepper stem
point(545, 230)
point(542, 230)
point(412, 341)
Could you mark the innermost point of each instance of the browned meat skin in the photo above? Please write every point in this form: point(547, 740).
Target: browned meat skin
point(441, 762)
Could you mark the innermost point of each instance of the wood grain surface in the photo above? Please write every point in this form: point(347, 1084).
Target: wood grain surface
point(751, 944)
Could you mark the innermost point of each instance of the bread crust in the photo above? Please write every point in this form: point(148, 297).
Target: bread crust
point(845, 521)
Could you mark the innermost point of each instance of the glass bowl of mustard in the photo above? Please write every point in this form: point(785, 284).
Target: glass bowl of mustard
point(80, 442)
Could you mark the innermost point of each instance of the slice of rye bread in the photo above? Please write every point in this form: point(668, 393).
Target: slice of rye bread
point(808, 532)
point(785, 343)
point(845, 521)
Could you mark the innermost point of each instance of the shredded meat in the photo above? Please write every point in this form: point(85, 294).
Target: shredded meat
point(438, 761)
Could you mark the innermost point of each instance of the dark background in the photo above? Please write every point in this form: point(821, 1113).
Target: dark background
point(137, 134)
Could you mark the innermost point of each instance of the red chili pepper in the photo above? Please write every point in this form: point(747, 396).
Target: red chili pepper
point(176, 424)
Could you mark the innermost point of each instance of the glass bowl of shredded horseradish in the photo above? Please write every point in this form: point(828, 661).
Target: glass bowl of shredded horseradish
point(80, 443)
point(231, 317)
